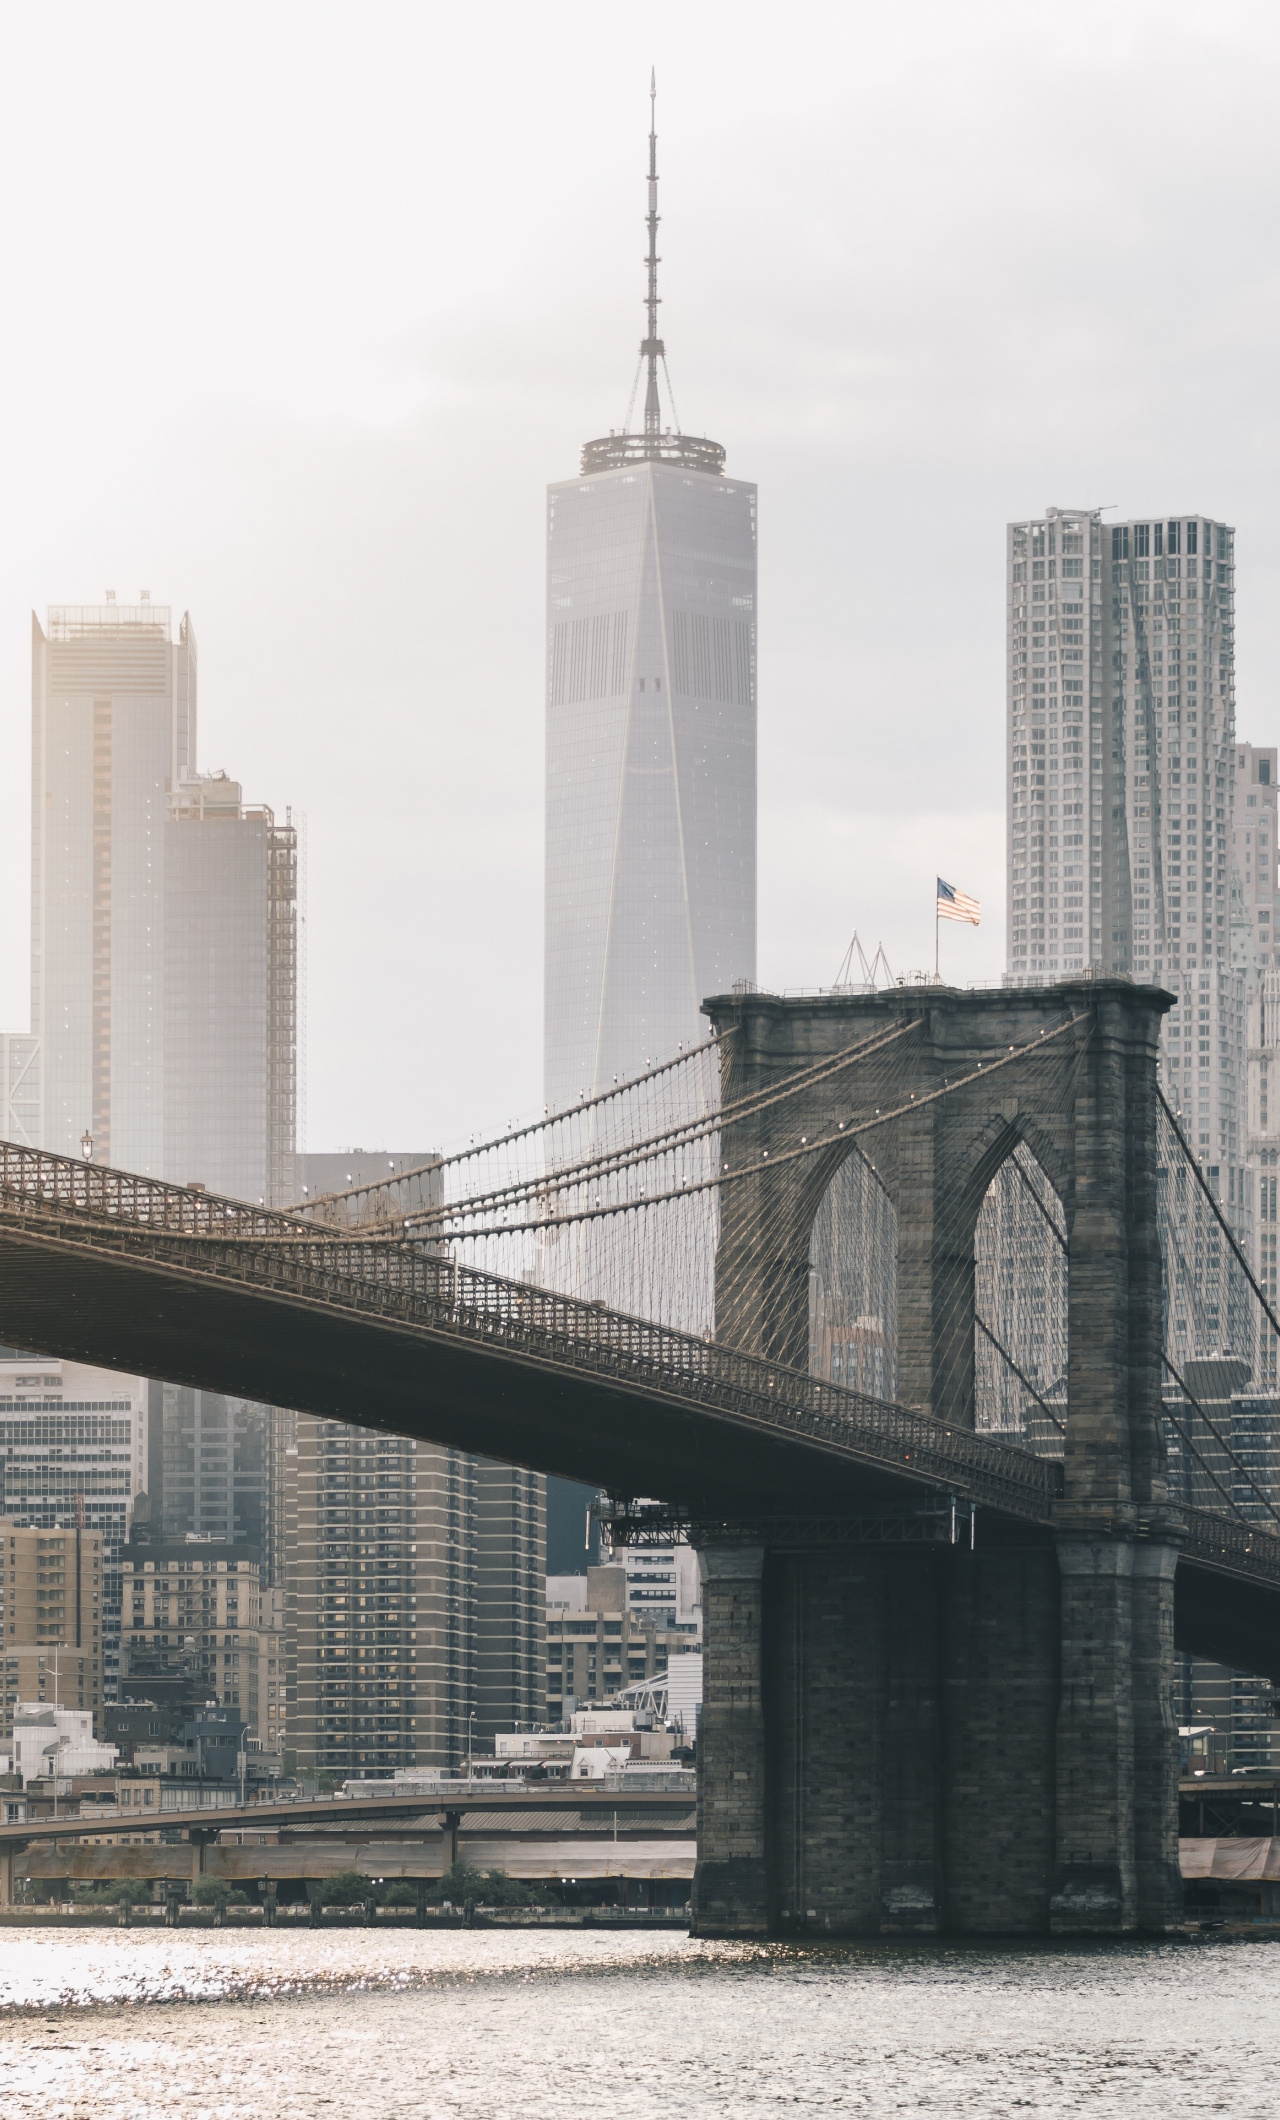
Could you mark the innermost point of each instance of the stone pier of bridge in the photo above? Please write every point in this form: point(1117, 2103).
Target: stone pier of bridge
point(955, 1738)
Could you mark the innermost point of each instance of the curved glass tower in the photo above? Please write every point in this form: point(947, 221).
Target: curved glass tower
point(651, 740)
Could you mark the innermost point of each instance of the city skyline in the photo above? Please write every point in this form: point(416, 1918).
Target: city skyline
point(316, 437)
point(791, 1458)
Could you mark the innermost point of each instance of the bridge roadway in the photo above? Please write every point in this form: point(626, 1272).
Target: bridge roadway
point(543, 1833)
point(531, 1832)
point(105, 1267)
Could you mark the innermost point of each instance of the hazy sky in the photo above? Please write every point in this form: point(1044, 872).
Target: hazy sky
point(303, 307)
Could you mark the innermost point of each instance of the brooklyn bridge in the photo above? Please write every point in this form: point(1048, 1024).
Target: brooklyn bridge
point(908, 1307)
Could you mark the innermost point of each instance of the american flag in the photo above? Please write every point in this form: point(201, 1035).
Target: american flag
point(958, 905)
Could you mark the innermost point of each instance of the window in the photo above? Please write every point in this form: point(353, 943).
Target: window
point(1159, 545)
point(1175, 537)
point(1120, 542)
point(1264, 772)
point(1037, 570)
point(1141, 540)
point(1192, 528)
point(1073, 566)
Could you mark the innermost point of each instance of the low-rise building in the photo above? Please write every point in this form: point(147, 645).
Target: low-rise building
point(601, 1639)
point(56, 1742)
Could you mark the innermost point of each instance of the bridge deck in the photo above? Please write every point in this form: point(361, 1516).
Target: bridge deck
point(109, 1268)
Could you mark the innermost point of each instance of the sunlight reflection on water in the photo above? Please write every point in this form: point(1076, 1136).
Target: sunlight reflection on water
point(287, 2026)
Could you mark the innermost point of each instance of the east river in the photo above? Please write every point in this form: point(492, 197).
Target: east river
point(120, 2025)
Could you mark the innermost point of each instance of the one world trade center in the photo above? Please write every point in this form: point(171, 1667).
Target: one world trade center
point(651, 738)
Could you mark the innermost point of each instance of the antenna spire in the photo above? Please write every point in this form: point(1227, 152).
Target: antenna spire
point(652, 444)
point(652, 349)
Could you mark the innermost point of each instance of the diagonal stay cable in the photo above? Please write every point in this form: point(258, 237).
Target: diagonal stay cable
point(1048, 1218)
point(1225, 1226)
point(610, 1162)
point(1204, 1464)
point(1219, 1438)
point(605, 1161)
point(518, 1133)
point(844, 1135)
point(1025, 1381)
point(1188, 1394)
point(1232, 1458)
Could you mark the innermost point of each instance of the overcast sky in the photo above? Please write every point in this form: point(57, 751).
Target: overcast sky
point(304, 306)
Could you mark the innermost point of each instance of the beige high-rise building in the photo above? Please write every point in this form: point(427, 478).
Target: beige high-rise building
point(379, 1600)
point(51, 1620)
point(511, 1562)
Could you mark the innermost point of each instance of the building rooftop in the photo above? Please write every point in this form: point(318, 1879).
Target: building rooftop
point(683, 452)
point(72, 621)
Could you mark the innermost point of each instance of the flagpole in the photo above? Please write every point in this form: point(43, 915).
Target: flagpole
point(936, 925)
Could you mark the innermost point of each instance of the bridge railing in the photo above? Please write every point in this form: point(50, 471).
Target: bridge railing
point(1230, 1542)
point(54, 1182)
point(232, 1240)
point(588, 1337)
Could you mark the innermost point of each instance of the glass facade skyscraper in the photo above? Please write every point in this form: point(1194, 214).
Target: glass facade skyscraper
point(650, 874)
point(651, 763)
point(651, 742)
point(113, 731)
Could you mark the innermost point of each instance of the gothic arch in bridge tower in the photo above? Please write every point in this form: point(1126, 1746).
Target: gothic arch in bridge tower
point(1020, 1307)
point(853, 1282)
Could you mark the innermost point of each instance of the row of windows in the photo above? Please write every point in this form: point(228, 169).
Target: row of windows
point(59, 1428)
point(1168, 536)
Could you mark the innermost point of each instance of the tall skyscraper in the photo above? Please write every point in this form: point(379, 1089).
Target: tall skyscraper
point(1121, 760)
point(163, 1036)
point(230, 993)
point(651, 738)
point(163, 923)
point(650, 873)
point(113, 733)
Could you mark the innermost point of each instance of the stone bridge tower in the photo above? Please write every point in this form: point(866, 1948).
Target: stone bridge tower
point(900, 1737)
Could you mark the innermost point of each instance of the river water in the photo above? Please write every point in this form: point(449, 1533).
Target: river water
point(121, 2025)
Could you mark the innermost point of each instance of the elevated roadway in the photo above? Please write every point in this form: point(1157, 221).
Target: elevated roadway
point(104, 1267)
